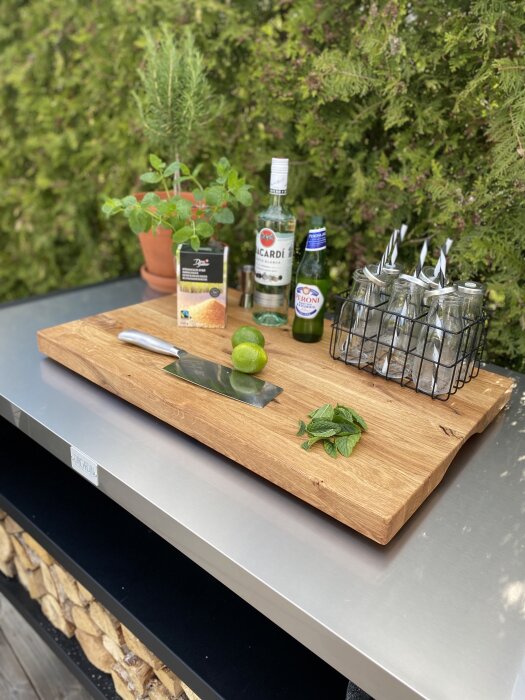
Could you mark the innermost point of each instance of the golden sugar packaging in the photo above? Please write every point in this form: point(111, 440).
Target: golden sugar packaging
point(202, 286)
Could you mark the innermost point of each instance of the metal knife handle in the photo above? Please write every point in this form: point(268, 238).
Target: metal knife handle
point(149, 342)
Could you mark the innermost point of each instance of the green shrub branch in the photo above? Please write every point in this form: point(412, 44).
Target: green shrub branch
point(389, 111)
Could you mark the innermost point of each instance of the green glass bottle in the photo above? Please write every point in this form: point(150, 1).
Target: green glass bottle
point(312, 285)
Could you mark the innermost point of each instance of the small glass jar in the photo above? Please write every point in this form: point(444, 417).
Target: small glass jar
point(359, 318)
point(397, 327)
point(435, 365)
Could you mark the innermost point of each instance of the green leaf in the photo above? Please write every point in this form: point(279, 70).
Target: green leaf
point(222, 167)
point(183, 208)
point(311, 441)
point(199, 195)
point(330, 448)
point(350, 415)
point(151, 199)
point(174, 167)
point(156, 162)
point(182, 235)
point(325, 411)
point(139, 220)
point(302, 428)
point(224, 216)
point(348, 428)
point(243, 195)
point(233, 179)
point(322, 428)
point(346, 444)
point(129, 201)
point(203, 229)
point(111, 206)
point(214, 196)
point(195, 242)
point(166, 207)
point(151, 177)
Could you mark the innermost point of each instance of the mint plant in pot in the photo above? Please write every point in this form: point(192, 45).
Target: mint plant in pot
point(174, 99)
point(191, 222)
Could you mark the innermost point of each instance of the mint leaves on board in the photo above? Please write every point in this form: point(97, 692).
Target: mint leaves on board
point(338, 427)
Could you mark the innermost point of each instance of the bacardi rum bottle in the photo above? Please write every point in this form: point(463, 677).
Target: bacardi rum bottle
point(274, 251)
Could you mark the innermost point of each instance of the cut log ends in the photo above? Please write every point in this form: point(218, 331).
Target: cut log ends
point(189, 693)
point(6, 546)
point(140, 649)
point(112, 648)
point(169, 680)
point(11, 526)
point(107, 622)
point(52, 610)
point(95, 651)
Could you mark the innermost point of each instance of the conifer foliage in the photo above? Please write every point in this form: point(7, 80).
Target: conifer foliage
point(389, 110)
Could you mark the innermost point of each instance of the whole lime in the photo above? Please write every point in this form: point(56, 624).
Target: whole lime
point(247, 334)
point(249, 358)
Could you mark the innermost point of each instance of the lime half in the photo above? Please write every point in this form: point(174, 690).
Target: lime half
point(249, 358)
point(247, 334)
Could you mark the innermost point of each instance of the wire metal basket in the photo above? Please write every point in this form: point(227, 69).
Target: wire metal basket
point(420, 362)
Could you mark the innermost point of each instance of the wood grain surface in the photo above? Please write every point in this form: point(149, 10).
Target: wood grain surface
point(410, 443)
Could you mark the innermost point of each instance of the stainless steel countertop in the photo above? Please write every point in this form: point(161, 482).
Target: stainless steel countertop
point(439, 613)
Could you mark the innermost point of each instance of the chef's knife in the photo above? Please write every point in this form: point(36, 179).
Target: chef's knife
point(222, 380)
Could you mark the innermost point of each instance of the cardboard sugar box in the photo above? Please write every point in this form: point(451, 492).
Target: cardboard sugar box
point(202, 286)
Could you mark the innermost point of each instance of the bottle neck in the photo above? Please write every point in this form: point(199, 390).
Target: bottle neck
point(277, 200)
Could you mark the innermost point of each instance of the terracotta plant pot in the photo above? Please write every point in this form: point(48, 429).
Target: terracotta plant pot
point(159, 263)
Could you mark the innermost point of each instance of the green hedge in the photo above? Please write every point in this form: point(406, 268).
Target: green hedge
point(388, 114)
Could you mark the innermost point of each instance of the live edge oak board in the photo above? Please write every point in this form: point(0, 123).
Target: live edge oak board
point(410, 442)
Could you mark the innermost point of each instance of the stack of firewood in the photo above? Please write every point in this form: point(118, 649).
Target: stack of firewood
point(136, 672)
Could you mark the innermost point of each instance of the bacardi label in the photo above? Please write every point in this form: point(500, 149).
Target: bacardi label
point(273, 257)
point(308, 300)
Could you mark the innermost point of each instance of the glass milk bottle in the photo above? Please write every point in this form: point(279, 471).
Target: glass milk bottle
point(359, 318)
point(438, 346)
point(471, 295)
point(397, 328)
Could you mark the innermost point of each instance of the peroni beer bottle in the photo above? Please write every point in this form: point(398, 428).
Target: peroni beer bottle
point(311, 289)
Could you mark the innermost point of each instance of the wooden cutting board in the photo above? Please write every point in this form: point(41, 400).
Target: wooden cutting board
point(409, 445)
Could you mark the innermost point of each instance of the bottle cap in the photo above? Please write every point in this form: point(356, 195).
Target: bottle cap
point(370, 271)
point(469, 287)
point(440, 292)
point(279, 176)
point(390, 269)
point(427, 274)
point(413, 280)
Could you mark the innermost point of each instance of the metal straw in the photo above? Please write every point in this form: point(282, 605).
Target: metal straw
point(402, 234)
point(388, 251)
point(443, 252)
point(422, 255)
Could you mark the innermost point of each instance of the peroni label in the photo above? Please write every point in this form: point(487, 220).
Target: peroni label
point(308, 300)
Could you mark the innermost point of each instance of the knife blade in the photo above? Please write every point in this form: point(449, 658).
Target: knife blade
point(206, 374)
